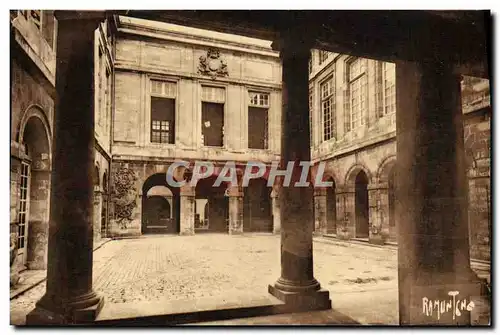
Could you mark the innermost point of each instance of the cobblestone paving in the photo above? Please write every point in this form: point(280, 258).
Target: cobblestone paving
point(184, 267)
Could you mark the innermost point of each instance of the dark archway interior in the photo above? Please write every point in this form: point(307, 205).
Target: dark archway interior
point(361, 205)
point(160, 206)
point(331, 209)
point(257, 206)
point(34, 211)
point(213, 214)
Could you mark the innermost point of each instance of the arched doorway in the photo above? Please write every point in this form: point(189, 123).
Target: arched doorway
point(257, 206)
point(361, 205)
point(160, 206)
point(392, 203)
point(331, 209)
point(211, 206)
point(34, 194)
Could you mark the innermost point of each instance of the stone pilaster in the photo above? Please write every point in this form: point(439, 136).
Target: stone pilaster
point(431, 194)
point(69, 296)
point(235, 210)
point(187, 214)
point(320, 219)
point(346, 213)
point(276, 211)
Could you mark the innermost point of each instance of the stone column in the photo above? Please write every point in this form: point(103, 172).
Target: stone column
point(320, 219)
point(235, 210)
point(187, 214)
point(276, 211)
point(431, 194)
point(69, 297)
point(297, 286)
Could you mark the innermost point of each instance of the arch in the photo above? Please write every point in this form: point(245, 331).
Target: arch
point(216, 209)
point(385, 168)
point(34, 135)
point(35, 111)
point(352, 173)
point(160, 211)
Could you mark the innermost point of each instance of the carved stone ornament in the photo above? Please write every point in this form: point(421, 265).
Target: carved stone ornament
point(212, 65)
point(124, 195)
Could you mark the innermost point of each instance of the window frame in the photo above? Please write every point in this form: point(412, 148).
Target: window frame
point(360, 78)
point(332, 107)
point(223, 103)
point(384, 89)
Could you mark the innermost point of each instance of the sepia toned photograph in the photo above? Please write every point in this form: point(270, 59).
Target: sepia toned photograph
point(250, 168)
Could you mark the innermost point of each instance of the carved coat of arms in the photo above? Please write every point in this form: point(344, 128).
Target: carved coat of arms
point(212, 65)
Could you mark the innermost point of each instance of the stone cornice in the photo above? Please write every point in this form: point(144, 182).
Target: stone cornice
point(164, 34)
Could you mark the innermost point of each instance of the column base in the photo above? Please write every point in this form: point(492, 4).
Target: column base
point(81, 312)
point(303, 301)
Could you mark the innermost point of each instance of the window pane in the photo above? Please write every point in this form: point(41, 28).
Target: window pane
point(257, 128)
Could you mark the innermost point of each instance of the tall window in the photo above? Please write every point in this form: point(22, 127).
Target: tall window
point(323, 55)
point(328, 108)
point(389, 73)
point(107, 94)
point(357, 92)
point(258, 108)
point(212, 116)
point(163, 94)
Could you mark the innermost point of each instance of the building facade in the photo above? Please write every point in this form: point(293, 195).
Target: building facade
point(188, 94)
point(353, 130)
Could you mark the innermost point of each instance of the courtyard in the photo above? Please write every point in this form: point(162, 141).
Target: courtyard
point(361, 279)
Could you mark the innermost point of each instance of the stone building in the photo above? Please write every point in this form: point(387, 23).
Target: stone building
point(189, 94)
point(353, 117)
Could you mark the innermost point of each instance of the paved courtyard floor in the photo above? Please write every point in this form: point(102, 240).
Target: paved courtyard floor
point(362, 279)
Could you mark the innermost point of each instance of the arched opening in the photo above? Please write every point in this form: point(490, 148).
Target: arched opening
point(331, 209)
point(211, 206)
point(392, 203)
point(361, 205)
point(257, 206)
point(34, 200)
point(160, 206)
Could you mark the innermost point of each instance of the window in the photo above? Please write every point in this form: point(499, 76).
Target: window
point(212, 116)
point(258, 120)
point(328, 108)
point(107, 94)
point(389, 73)
point(357, 92)
point(310, 64)
point(163, 96)
point(323, 55)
